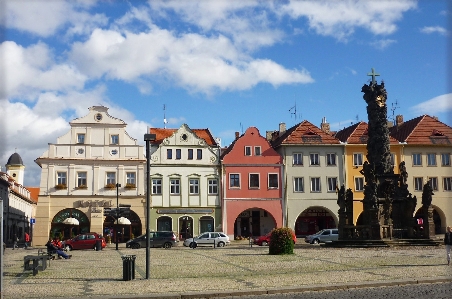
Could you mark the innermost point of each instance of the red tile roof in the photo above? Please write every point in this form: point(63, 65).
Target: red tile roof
point(304, 133)
point(358, 134)
point(34, 193)
point(423, 130)
point(161, 134)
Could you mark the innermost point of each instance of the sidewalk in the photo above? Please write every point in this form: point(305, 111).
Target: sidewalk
point(181, 272)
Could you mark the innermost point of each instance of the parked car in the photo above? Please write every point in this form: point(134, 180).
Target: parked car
point(208, 239)
point(323, 236)
point(84, 241)
point(265, 240)
point(165, 239)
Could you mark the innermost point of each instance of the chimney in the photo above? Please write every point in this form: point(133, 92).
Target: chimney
point(390, 124)
point(399, 120)
point(268, 136)
point(282, 128)
point(324, 126)
point(435, 117)
point(237, 134)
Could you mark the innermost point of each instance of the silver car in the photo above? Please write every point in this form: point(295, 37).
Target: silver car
point(323, 236)
point(208, 239)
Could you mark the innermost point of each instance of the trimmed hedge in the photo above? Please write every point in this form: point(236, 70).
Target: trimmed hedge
point(281, 241)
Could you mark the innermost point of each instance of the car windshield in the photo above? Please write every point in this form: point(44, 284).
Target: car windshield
point(319, 232)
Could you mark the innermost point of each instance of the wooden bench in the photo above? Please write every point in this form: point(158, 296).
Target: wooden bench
point(35, 263)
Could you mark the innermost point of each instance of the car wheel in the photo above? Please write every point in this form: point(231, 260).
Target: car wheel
point(167, 245)
point(220, 244)
point(264, 243)
point(67, 248)
point(135, 246)
point(315, 241)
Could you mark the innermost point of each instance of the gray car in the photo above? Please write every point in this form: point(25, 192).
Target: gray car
point(323, 236)
point(208, 239)
point(165, 239)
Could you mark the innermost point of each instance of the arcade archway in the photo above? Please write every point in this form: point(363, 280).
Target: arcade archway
point(253, 222)
point(164, 223)
point(58, 229)
point(121, 231)
point(312, 220)
point(436, 219)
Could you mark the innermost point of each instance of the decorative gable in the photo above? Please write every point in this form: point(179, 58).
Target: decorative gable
point(310, 136)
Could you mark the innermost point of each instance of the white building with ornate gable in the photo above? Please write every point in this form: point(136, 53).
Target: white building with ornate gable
point(79, 176)
point(185, 181)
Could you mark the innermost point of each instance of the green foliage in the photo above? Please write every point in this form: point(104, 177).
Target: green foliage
point(281, 241)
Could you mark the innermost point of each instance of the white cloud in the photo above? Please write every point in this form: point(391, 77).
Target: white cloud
point(439, 104)
point(340, 18)
point(434, 29)
point(382, 43)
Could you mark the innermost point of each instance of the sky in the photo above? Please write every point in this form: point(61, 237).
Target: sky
point(221, 65)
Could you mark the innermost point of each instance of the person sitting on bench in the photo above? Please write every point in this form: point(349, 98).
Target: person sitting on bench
point(51, 248)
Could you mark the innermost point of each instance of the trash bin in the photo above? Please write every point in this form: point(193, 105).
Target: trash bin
point(128, 267)
point(98, 245)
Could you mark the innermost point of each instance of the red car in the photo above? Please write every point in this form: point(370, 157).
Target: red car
point(84, 241)
point(265, 240)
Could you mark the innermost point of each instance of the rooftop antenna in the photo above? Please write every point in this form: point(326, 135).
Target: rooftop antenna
point(394, 106)
point(293, 111)
point(357, 118)
point(241, 128)
point(164, 116)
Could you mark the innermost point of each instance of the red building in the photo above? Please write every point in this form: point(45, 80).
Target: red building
point(252, 188)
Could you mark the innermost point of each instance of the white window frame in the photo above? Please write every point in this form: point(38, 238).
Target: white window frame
point(296, 184)
point(315, 184)
point(431, 159)
point(445, 159)
point(418, 183)
point(82, 178)
point(358, 159)
point(258, 181)
point(447, 183)
point(156, 186)
point(297, 159)
point(61, 178)
point(81, 138)
point(314, 159)
point(193, 186)
point(190, 154)
point(257, 151)
point(247, 150)
point(359, 183)
point(230, 181)
point(174, 186)
point(110, 178)
point(417, 159)
point(212, 186)
point(131, 178)
point(331, 159)
point(332, 184)
point(277, 181)
point(114, 139)
point(433, 183)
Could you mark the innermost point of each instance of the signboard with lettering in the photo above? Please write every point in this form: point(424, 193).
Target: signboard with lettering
point(185, 211)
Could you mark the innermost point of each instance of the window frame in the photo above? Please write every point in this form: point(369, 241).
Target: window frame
point(234, 180)
point(433, 181)
point(156, 184)
point(257, 151)
point(81, 138)
point(447, 184)
point(248, 150)
point(82, 181)
point(112, 137)
point(178, 153)
point(190, 154)
point(169, 154)
point(314, 157)
point(328, 159)
point(193, 186)
point(110, 177)
point(317, 185)
point(356, 157)
point(418, 183)
point(359, 183)
point(254, 180)
point(212, 188)
point(131, 177)
point(269, 180)
point(416, 159)
point(296, 159)
point(431, 159)
point(296, 184)
point(446, 163)
point(61, 178)
point(199, 154)
point(331, 188)
point(174, 186)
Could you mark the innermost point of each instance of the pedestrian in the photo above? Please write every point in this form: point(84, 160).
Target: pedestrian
point(448, 243)
point(16, 239)
point(27, 239)
point(51, 248)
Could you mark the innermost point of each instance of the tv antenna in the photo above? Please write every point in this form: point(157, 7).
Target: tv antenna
point(164, 116)
point(241, 128)
point(293, 111)
point(394, 106)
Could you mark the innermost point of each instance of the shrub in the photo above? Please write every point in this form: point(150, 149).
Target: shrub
point(281, 241)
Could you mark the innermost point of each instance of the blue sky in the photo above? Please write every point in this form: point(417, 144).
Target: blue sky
point(222, 65)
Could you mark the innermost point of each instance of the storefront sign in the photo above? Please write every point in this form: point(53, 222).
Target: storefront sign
point(94, 203)
point(184, 211)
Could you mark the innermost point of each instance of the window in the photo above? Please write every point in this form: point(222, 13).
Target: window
point(359, 184)
point(331, 159)
point(190, 154)
point(80, 138)
point(417, 160)
point(332, 184)
point(247, 150)
point(174, 186)
point(111, 178)
point(314, 159)
point(297, 159)
point(156, 186)
point(130, 178)
point(298, 185)
point(273, 180)
point(194, 186)
point(199, 154)
point(257, 150)
point(358, 159)
point(447, 184)
point(213, 186)
point(114, 139)
point(418, 184)
point(234, 180)
point(392, 159)
point(61, 178)
point(431, 159)
point(315, 184)
point(169, 154)
point(178, 154)
point(445, 159)
point(81, 179)
point(433, 183)
point(254, 180)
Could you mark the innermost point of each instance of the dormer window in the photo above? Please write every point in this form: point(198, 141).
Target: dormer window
point(81, 138)
point(114, 139)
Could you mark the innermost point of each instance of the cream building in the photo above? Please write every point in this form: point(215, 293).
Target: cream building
point(81, 174)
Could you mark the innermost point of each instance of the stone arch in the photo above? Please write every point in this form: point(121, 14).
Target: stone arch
point(313, 219)
point(123, 232)
point(165, 223)
point(206, 224)
point(254, 222)
point(67, 231)
point(439, 218)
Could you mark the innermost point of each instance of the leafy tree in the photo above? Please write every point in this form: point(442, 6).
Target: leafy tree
point(281, 241)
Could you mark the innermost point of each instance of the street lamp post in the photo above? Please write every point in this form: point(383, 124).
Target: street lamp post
point(117, 213)
point(148, 138)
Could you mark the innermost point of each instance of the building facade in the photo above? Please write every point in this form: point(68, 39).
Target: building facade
point(185, 181)
point(91, 169)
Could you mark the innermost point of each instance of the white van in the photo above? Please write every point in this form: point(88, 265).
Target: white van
point(323, 236)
